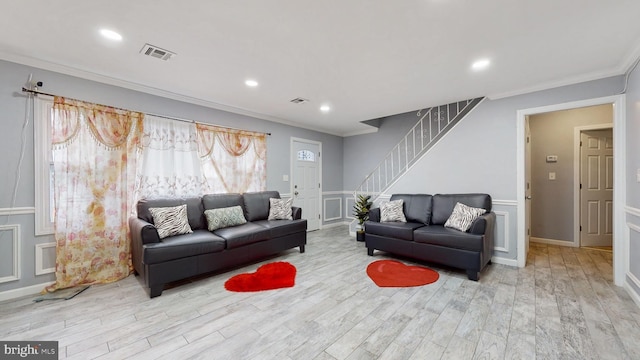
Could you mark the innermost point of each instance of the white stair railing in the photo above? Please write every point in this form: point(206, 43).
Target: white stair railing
point(431, 127)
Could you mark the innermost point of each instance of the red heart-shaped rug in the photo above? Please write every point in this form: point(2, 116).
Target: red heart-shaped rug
point(270, 276)
point(391, 273)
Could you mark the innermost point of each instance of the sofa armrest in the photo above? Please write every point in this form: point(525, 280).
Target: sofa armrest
point(485, 225)
point(142, 232)
point(374, 214)
point(296, 212)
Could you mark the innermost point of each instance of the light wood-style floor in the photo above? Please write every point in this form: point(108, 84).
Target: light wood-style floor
point(562, 305)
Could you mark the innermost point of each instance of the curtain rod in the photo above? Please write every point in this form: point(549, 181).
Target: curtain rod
point(37, 92)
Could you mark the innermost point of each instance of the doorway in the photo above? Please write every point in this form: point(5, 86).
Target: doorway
point(306, 187)
point(620, 245)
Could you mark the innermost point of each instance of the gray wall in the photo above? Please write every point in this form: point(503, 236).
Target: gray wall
point(633, 185)
point(552, 204)
point(478, 154)
point(13, 108)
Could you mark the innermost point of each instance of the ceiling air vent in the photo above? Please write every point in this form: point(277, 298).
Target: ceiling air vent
point(156, 52)
point(299, 100)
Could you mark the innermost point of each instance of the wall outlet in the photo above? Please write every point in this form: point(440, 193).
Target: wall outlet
point(552, 176)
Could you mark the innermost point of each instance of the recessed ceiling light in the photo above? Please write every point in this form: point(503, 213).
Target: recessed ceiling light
point(480, 64)
point(251, 83)
point(110, 34)
point(325, 108)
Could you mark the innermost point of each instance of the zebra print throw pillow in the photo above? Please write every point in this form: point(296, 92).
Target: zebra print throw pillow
point(463, 216)
point(170, 221)
point(280, 209)
point(392, 211)
point(224, 217)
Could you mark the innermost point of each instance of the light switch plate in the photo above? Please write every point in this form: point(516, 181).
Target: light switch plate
point(285, 177)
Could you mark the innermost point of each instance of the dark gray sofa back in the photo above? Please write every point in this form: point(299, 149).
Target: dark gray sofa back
point(216, 201)
point(256, 204)
point(417, 207)
point(443, 204)
point(195, 211)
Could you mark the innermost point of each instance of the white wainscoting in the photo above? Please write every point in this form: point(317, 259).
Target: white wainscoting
point(631, 288)
point(17, 211)
point(338, 206)
point(40, 270)
point(15, 251)
point(505, 231)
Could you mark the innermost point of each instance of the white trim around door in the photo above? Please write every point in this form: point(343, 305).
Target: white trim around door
point(620, 243)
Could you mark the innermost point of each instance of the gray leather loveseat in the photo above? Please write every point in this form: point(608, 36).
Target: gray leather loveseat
point(424, 237)
point(160, 261)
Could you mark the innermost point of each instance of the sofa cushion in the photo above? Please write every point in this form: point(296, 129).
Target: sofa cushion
point(256, 204)
point(224, 217)
point(170, 221)
point(443, 205)
point(439, 235)
point(392, 211)
point(244, 234)
point(195, 211)
point(279, 228)
point(396, 230)
point(417, 207)
point(280, 209)
point(216, 201)
point(463, 216)
point(180, 246)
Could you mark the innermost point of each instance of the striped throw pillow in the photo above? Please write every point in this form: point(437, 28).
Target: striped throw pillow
point(224, 217)
point(392, 211)
point(463, 216)
point(280, 209)
point(170, 221)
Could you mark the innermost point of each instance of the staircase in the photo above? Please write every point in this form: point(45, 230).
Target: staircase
point(433, 125)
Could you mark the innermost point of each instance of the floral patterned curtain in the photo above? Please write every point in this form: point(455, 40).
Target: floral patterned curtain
point(233, 161)
point(94, 151)
point(169, 165)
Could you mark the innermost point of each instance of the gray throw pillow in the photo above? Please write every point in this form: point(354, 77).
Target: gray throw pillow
point(392, 211)
point(170, 221)
point(463, 216)
point(224, 217)
point(280, 209)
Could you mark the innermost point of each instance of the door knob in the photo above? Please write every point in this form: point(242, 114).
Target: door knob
point(528, 197)
point(295, 193)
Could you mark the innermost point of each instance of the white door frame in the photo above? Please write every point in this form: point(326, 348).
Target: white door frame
point(620, 243)
point(291, 152)
point(576, 175)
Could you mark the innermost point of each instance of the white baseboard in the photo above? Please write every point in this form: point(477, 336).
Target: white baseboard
point(553, 242)
point(25, 291)
point(632, 289)
point(504, 261)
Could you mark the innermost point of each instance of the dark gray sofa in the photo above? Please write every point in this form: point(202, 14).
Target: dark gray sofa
point(160, 261)
point(425, 238)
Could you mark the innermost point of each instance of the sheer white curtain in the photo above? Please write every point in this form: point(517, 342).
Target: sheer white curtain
point(233, 161)
point(169, 165)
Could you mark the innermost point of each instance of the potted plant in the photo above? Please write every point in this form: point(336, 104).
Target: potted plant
point(361, 212)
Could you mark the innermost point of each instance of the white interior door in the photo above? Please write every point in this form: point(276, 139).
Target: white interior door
point(305, 182)
point(596, 187)
point(527, 186)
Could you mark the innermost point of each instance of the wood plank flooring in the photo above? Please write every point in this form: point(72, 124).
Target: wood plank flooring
point(562, 305)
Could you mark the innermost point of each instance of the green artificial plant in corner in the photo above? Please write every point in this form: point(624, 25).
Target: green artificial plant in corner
point(361, 210)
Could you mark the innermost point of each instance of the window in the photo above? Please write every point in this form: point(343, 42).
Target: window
point(306, 155)
point(43, 108)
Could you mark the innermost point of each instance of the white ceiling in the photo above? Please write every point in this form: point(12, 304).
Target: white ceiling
point(366, 58)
